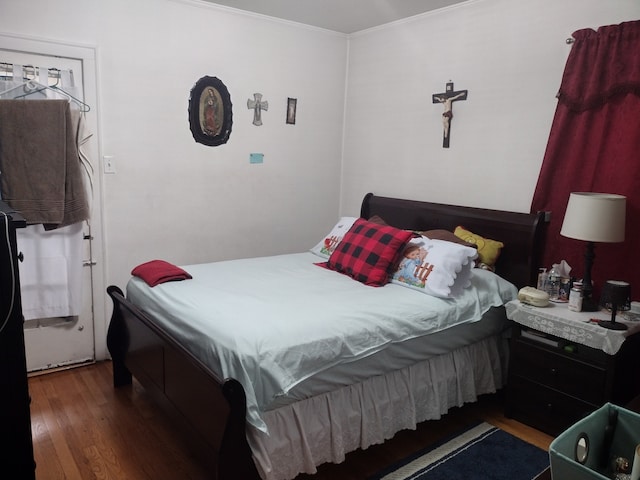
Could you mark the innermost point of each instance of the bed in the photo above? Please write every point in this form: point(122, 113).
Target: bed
point(287, 411)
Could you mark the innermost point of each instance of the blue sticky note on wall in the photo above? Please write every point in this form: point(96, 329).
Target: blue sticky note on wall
point(256, 157)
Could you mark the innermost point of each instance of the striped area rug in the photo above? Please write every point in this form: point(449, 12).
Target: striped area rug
point(482, 452)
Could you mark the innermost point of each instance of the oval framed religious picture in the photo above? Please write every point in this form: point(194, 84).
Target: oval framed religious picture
point(210, 115)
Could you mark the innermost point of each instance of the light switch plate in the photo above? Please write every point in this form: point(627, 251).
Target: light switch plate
point(109, 164)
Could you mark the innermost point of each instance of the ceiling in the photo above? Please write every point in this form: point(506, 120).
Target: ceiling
point(346, 16)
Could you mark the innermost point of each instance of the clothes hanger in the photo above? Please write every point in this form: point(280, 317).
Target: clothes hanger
point(25, 85)
point(31, 86)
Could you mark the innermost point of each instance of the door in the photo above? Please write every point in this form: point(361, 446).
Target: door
point(61, 340)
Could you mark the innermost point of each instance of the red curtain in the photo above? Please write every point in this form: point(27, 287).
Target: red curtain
point(594, 146)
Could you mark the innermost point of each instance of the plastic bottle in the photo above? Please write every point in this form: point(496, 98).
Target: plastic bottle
point(553, 285)
point(542, 280)
point(575, 297)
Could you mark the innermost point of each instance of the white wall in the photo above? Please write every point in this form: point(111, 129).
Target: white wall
point(171, 197)
point(174, 199)
point(510, 57)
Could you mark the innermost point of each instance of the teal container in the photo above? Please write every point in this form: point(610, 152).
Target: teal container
point(626, 436)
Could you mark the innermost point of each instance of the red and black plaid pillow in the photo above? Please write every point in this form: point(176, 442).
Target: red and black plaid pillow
point(369, 252)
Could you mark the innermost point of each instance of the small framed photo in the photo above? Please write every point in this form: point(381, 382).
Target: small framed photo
point(210, 116)
point(291, 110)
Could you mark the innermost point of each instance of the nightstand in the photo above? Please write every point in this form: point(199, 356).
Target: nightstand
point(563, 366)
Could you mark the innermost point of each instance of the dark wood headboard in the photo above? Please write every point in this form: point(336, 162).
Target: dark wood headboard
point(521, 233)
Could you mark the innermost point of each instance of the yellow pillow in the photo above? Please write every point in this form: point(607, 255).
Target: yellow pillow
point(488, 250)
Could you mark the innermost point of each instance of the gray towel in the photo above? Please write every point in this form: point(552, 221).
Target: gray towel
point(40, 169)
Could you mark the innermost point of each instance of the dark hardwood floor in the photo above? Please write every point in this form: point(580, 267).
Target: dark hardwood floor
point(85, 429)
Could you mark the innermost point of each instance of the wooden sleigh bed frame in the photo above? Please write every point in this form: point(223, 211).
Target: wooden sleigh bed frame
point(212, 410)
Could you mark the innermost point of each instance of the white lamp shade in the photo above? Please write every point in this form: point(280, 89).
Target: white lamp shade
point(595, 217)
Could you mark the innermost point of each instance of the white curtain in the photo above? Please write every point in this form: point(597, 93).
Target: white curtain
point(14, 83)
point(51, 272)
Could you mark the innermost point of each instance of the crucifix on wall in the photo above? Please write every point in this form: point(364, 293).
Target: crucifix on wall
point(447, 98)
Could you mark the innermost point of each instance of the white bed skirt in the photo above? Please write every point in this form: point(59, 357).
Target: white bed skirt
point(326, 427)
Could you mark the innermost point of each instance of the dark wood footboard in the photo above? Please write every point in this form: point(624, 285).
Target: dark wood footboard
point(211, 411)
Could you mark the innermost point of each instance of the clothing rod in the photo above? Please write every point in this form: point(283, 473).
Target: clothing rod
point(570, 40)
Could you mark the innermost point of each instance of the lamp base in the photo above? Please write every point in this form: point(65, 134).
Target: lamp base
point(612, 325)
point(589, 305)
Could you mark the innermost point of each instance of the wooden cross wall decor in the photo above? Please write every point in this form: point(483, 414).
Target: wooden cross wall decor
point(447, 98)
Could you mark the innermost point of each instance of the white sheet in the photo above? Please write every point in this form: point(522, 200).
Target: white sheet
point(397, 356)
point(279, 320)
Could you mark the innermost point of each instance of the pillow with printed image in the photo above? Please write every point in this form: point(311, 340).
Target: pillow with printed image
point(328, 244)
point(436, 267)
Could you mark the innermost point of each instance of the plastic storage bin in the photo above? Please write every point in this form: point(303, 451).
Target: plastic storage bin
point(625, 438)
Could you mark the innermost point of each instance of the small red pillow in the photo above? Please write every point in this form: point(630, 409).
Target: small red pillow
point(156, 272)
point(369, 252)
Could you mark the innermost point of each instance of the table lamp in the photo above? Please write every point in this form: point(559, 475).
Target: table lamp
point(616, 296)
point(593, 217)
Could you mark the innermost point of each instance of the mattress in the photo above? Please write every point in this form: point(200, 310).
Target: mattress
point(286, 328)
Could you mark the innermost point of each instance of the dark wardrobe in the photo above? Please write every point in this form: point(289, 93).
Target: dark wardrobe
point(16, 456)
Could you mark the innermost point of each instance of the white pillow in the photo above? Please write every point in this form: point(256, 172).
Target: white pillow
point(328, 244)
point(435, 267)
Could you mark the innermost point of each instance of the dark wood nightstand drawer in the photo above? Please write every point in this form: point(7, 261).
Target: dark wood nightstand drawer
point(547, 409)
point(555, 380)
point(559, 371)
point(573, 350)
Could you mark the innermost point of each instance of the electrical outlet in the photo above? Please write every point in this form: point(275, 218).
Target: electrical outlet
point(109, 164)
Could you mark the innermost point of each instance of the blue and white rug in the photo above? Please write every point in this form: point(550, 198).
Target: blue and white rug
point(482, 452)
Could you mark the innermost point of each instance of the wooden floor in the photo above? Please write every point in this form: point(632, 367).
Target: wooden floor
point(85, 429)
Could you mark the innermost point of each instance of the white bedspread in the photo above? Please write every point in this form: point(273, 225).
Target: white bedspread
point(273, 322)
